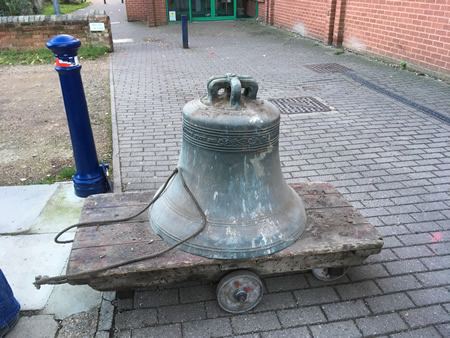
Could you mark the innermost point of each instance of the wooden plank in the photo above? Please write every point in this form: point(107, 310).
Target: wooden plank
point(102, 214)
point(117, 200)
point(336, 235)
point(114, 234)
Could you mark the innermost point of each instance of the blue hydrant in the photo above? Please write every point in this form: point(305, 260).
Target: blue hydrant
point(90, 177)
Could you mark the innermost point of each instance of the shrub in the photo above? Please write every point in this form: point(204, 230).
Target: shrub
point(16, 7)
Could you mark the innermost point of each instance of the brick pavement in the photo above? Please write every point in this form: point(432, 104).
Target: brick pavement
point(388, 159)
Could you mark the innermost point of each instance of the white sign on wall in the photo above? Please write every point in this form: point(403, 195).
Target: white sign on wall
point(97, 27)
point(172, 16)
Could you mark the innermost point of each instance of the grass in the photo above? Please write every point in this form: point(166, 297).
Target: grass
point(64, 175)
point(339, 52)
point(64, 8)
point(43, 55)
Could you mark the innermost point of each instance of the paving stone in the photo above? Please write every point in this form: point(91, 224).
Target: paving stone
point(124, 304)
point(436, 263)
point(106, 316)
point(425, 316)
point(286, 283)
point(198, 293)
point(381, 324)
point(135, 319)
point(207, 328)
point(316, 296)
point(314, 282)
point(444, 329)
point(155, 298)
point(389, 303)
point(423, 227)
point(368, 271)
point(122, 334)
point(358, 290)
point(413, 252)
point(440, 248)
point(400, 283)
point(109, 296)
point(345, 310)
point(385, 255)
point(213, 310)
point(434, 278)
point(339, 329)
point(27, 327)
point(276, 301)
point(181, 313)
point(391, 242)
point(430, 296)
point(405, 267)
point(429, 332)
point(102, 334)
point(287, 333)
point(302, 316)
point(169, 331)
point(428, 216)
point(392, 230)
point(413, 239)
point(255, 322)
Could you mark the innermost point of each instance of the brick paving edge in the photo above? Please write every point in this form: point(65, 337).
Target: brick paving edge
point(117, 179)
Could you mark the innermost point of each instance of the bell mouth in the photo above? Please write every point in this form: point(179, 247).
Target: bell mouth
point(229, 238)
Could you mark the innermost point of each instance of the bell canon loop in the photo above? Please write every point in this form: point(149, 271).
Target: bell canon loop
point(230, 161)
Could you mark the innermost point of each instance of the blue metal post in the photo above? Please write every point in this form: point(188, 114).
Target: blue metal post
point(89, 178)
point(184, 28)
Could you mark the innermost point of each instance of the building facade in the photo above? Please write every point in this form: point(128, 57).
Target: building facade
point(415, 32)
point(159, 12)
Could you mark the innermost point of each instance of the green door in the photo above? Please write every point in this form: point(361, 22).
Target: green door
point(206, 10)
point(213, 9)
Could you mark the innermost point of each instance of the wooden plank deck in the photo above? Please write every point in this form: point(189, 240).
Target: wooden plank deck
point(336, 235)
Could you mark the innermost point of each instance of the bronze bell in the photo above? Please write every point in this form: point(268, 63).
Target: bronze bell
point(229, 160)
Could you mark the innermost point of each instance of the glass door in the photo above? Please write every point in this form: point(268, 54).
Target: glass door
point(212, 9)
point(207, 10)
point(201, 9)
point(224, 8)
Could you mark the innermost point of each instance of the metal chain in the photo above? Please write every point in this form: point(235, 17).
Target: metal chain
point(41, 280)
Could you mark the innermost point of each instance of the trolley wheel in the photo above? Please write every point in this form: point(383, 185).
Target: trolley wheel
point(239, 291)
point(330, 274)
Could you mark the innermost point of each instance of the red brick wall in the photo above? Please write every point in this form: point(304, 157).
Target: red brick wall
point(412, 31)
point(137, 10)
point(159, 12)
point(32, 32)
point(309, 18)
point(415, 31)
point(153, 12)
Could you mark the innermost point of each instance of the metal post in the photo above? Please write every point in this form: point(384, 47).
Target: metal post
point(90, 177)
point(184, 28)
point(56, 7)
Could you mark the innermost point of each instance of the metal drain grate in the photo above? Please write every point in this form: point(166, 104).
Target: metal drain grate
point(300, 105)
point(328, 68)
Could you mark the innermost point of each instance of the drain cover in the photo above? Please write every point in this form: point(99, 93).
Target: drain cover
point(300, 105)
point(328, 68)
